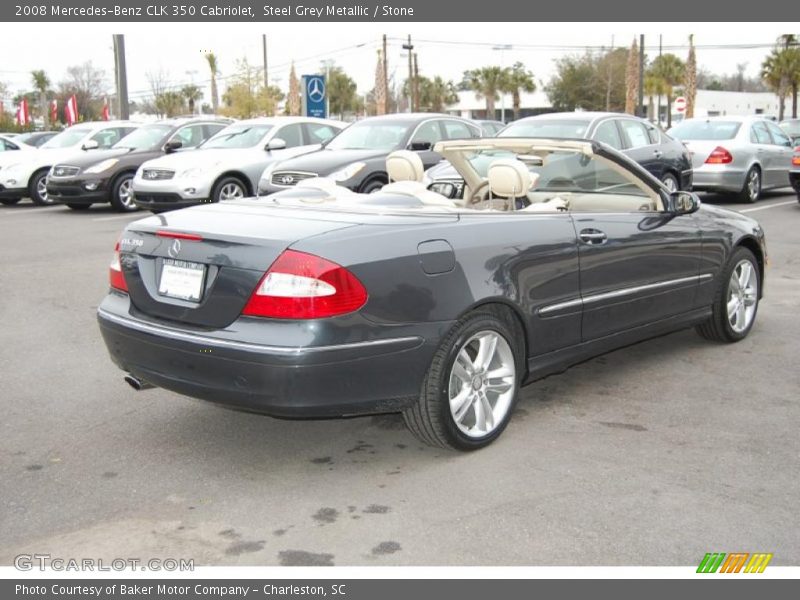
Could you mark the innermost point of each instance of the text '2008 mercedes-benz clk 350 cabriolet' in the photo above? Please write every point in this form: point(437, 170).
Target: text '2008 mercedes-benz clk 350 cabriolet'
point(319, 301)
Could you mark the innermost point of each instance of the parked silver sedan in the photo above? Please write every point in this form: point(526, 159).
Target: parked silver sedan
point(741, 155)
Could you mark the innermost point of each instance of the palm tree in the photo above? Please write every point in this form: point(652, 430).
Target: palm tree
point(211, 58)
point(670, 69)
point(518, 80)
point(437, 94)
point(776, 72)
point(41, 82)
point(690, 81)
point(487, 82)
point(653, 86)
point(191, 93)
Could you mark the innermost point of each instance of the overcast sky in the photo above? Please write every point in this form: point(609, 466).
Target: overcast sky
point(177, 49)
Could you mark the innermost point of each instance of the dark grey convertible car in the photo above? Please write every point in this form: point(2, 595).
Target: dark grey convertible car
point(320, 301)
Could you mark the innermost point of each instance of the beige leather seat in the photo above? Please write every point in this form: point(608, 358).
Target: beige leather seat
point(405, 170)
point(511, 179)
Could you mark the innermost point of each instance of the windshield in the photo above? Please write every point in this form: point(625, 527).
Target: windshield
point(706, 130)
point(144, 138)
point(371, 136)
point(547, 128)
point(65, 139)
point(239, 136)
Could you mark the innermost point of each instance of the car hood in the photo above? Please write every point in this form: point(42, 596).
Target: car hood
point(210, 159)
point(88, 158)
point(325, 162)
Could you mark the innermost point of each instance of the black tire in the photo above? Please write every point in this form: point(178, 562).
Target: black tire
point(81, 207)
point(35, 189)
point(219, 189)
point(671, 182)
point(748, 194)
point(430, 418)
point(122, 193)
point(9, 201)
point(372, 186)
point(718, 327)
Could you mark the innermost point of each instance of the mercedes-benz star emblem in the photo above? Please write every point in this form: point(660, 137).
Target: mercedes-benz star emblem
point(174, 248)
point(316, 89)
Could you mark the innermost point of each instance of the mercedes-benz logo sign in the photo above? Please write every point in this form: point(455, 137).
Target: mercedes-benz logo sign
point(174, 248)
point(287, 180)
point(316, 89)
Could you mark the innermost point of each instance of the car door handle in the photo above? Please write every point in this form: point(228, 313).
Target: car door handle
point(593, 236)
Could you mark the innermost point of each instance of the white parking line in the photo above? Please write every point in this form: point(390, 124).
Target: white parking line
point(15, 212)
point(748, 210)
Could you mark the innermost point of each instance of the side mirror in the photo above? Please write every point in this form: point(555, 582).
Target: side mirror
point(419, 146)
point(684, 203)
point(90, 145)
point(445, 188)
point(275, 144)
point(172, 146)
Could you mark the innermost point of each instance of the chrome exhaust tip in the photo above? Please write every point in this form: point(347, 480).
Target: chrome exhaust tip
point(137, 383)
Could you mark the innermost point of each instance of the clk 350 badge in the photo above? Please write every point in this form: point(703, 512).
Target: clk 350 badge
point(131, 242)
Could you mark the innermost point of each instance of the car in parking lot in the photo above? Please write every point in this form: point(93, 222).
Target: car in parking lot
point(24, 174)
point(794, 174)
point(792, 128)
point(356, 158)
point(105, 176)
point(9, 144)
point(36, 138)
point(230, 164)
point(736, 155)
point(667, 159)
point(321, 302)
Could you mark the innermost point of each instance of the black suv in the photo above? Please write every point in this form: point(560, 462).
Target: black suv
point(105, 175)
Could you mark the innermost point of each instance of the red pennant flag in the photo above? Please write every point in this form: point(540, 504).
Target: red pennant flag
point(23, 116)
point(53, 111)
point(106, 111)
point(71, 110)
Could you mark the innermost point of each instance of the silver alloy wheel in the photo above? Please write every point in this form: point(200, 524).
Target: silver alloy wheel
point(753, 184)
point(481, 384)
point(231, 191)
point(670, 184)
point(742, 296)
point(41, 189)
point(125, 194)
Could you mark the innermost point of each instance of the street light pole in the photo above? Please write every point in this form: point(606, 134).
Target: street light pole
point(409, 47)
point(502, 48)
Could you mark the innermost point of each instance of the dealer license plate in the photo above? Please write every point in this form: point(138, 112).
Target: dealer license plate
point(182, 279)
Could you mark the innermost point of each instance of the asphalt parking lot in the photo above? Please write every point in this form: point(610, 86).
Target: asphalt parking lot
point(651, 455)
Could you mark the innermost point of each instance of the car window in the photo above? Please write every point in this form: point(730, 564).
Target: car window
point(636, 133)
point(456, 130)
point(106, 138)
point(212, 129)
point(778, 136)
point(547, 128)
point(190, 136)
point(291, 134)
point(68, 137)
point(429, 132)
point(654, 134)
point(608, 133)
point(317, 133)
point(6, 145)
point(705, 130)
point(759, 134)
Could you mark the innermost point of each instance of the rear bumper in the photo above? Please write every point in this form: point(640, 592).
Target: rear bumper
point(373, 376)
point(714, 178)
point(73, 191)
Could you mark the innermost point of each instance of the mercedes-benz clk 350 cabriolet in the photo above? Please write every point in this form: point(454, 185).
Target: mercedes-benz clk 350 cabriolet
point(320, 302)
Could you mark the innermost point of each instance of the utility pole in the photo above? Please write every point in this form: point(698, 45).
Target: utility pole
point(658, 107)
point(408, 48)
point(416, 83)
point(385, 78)
point(640, 107)
point(121, 72)
point(266, 72)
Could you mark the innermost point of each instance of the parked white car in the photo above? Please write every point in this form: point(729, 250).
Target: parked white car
point(9, 144)
point(230, 164)
point(24, 174)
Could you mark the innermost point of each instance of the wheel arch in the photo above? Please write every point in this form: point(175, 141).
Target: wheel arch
point(243, 179)
point(374, 176)
point(507, 306)
point(752, 244)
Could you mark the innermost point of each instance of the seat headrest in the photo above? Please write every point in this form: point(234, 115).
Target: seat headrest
point(404, 165)
point(509, 178)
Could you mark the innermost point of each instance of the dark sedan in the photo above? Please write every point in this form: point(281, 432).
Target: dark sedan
point(105, 176)
point(666, 158)
point(320, 302)
point(356, 158)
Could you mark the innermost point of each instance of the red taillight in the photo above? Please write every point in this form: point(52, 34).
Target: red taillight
point(304, 286)
point(796, 157)
point(179, 235)
point(719, 156)
point(115, 277)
